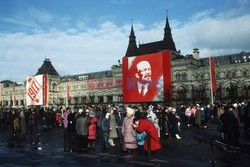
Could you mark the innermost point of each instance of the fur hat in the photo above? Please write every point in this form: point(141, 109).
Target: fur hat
point(80, 110)
point(130, 111)
point(107, 115)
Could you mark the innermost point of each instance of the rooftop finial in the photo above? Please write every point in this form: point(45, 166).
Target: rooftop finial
point(167, 13)
point(132, 22)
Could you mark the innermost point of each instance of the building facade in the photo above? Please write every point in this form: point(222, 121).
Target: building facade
point(190, 79)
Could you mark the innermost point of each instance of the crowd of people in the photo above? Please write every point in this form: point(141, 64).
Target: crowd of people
point(132, 128)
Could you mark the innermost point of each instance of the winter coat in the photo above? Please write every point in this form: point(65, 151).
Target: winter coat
point(173, 123)
point(112, 124)
point(140, 137)
point(129, 133)
point(230, 125)
point(105, 125)
point(82, 126)
point(65, 119)
point(92, 128)
point(148, 127)
point(71, 123)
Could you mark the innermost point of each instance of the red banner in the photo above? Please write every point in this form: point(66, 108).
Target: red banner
point(212, 74)
point(147, 78)
point(45, 89)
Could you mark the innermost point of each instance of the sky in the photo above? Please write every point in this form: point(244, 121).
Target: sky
point(82, 36)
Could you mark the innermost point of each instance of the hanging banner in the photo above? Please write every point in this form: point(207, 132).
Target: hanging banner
point(34, 90)
point(147, 78)
point(45, 89)
point(212, 74)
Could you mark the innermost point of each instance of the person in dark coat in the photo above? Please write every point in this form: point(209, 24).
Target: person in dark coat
point(246, 119)
point(71, 129)
point(119, 117)
point(82, 124)
point(230, 127)
point(106, 129)
point(33, 126)
point(173, 123)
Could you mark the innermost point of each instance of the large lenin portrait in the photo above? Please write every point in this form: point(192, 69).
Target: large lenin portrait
point(147, 78)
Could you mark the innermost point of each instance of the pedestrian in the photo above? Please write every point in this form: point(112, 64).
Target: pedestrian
point(65, 128)
point(82, 130)
point(173, 123)
point(144, 125)
point(156, 124)
point(128, 132)
point(113, 125)
point(246, 118)
point(33, 126)
point(230, 127)
point(92, 129)
point(106, 129)
point(119, 117)
point(188, 115)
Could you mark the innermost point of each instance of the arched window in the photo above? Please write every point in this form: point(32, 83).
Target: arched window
point(233, 74)
point(109, 98)
point(100, 99)
point(244, 74)
point(54, 87)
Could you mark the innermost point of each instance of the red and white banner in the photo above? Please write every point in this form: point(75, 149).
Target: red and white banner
point(212, 74)
point(34, 90)
point(147, 78)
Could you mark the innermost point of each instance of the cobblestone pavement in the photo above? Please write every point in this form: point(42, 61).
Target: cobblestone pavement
point(192, 150)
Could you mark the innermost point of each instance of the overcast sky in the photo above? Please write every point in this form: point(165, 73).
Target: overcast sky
point(81, 36)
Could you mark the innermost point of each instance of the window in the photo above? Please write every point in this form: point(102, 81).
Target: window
point(92, 99)
point(244, 74)
point(120, 98)
point(233, 74)
point(54, 87)
point(109, 98)
point(100, 99)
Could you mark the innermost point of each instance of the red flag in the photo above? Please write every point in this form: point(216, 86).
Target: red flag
point(45, 89)
point(212, 74)
point(67, 92)
point(14, 94)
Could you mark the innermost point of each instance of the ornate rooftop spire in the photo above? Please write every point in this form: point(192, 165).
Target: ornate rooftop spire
point(168, 42)
point(132, 47)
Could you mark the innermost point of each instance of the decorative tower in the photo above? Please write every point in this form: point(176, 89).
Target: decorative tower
point(47, 68)
point(168, 42)
point(132, 47)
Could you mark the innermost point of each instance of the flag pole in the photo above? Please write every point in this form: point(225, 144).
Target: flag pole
point(211, 89)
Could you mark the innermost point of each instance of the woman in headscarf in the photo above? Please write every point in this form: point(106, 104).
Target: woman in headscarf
point(113, 125)
point(128, 132)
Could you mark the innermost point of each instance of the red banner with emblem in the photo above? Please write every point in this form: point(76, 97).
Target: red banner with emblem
point(34, 90)
point(147, 78)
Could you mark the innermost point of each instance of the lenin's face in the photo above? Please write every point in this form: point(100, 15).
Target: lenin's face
point(143, 73)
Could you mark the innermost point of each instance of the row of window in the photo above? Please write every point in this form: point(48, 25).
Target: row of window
point(231, 92)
